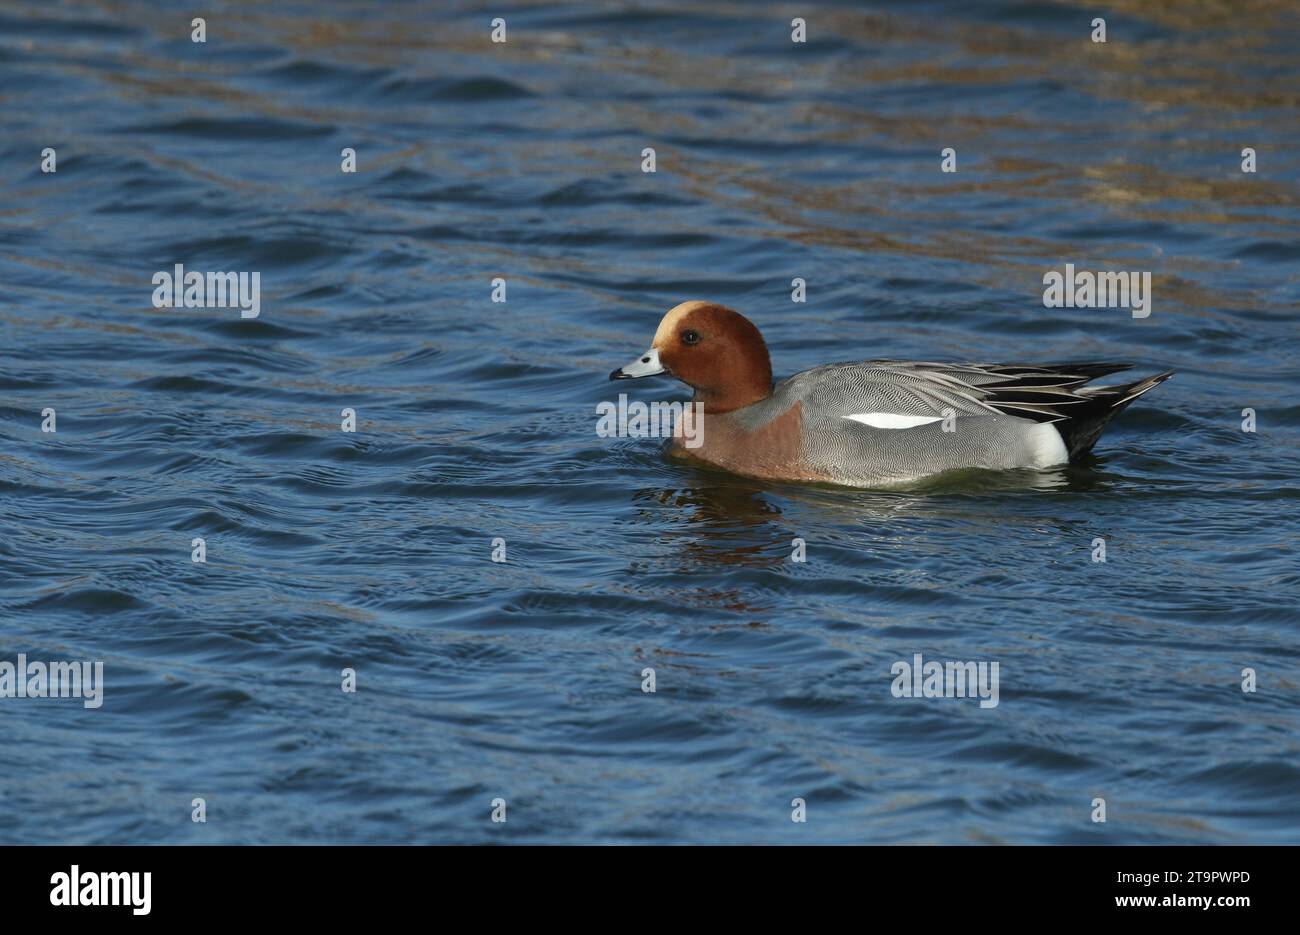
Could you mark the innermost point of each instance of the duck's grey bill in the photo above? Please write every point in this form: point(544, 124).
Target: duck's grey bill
point(647, 365)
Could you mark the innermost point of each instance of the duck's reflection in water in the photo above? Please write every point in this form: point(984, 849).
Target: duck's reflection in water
point(718, 519)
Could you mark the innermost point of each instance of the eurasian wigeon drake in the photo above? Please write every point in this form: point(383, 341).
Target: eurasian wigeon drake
point(876, 422)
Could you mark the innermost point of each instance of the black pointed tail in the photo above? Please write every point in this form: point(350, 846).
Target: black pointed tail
point(1084, 422)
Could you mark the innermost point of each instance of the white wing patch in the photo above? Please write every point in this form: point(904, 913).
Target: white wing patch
point(892, 420)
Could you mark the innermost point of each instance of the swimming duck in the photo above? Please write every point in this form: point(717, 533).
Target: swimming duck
point(875, 422)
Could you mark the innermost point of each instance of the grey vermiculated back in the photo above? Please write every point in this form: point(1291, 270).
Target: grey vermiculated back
point(998, 411)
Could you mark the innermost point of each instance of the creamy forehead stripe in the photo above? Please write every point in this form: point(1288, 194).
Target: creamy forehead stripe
point(892, 420)
point(674, 316)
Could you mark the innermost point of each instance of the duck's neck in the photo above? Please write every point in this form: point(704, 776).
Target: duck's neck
point(735, 395)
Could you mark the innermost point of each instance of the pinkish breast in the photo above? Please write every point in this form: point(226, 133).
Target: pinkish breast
point(772, 452)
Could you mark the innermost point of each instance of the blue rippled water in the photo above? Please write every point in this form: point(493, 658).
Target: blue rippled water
point(522, 680)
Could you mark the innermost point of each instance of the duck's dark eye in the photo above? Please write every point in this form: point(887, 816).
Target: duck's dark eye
point(690, 337)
